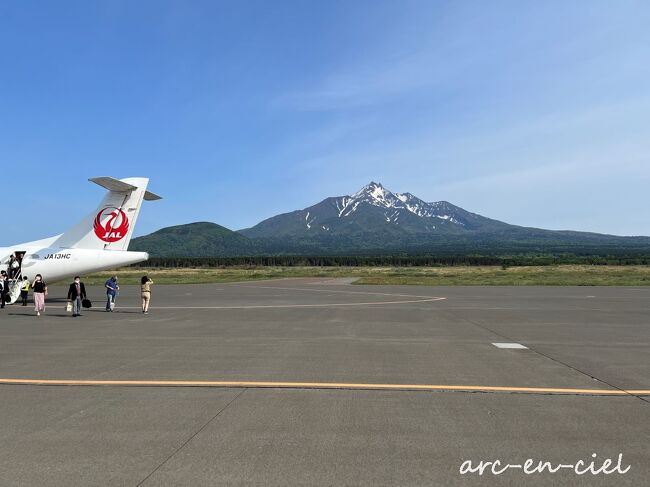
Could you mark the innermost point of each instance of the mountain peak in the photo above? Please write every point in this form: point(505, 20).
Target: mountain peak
point(373, 191)
point(370, 187)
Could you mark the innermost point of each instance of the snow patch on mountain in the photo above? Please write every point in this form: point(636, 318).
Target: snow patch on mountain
point(308, 221)
point(342, 205)
point(391, 216)
point(450, 218)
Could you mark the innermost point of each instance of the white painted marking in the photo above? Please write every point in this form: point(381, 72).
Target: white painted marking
point(324, 305)
point(334, 291)
point(510, 345)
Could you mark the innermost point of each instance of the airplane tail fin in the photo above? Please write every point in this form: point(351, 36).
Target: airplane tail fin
point(111, 225)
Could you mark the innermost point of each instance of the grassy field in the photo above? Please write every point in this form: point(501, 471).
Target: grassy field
point(560, 275)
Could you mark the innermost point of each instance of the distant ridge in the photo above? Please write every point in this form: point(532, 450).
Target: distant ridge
point(201, 239)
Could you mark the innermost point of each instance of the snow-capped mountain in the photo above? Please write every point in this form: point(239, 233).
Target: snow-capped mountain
point(372, 209)
point(375, 220)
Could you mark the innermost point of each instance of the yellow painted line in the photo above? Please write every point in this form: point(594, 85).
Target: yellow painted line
point(320, 385)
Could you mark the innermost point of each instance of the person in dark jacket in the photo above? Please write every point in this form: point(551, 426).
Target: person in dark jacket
point(4, 288)
point(76, 294)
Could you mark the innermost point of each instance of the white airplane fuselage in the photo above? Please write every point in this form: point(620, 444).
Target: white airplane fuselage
point(55, 264)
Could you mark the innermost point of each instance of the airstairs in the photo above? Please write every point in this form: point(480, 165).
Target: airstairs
point(15, 285)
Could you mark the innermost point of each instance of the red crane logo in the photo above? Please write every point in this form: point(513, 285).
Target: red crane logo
point(111, 224)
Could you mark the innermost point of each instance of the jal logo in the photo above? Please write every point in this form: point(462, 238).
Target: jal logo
point(111, 224)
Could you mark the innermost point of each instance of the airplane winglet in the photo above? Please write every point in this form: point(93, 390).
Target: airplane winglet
point(113, 184)
point(118, 186)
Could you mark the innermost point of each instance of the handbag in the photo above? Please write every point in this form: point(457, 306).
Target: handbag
point(68, 307)
point(86, 303)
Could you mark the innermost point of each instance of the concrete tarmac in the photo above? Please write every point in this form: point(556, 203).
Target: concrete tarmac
point(325, 332)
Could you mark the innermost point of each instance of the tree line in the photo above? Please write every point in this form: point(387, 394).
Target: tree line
point(393, 261)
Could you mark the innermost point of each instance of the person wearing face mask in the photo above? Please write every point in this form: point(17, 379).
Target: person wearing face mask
point(76, 293)
point(4, 288)
point(40, 291)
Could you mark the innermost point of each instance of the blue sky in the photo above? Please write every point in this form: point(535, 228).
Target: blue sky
point(535, 113)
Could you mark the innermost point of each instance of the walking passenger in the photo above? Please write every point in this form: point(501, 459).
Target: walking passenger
point(4, 288)
point(76, 293)
point(145, 290)
point(111, 293)
point(24, 290)
point(40, 291)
